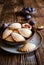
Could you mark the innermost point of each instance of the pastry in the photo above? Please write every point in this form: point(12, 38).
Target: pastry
point(15, 26)
point(25, 32)
point(28, 47)
point(17, 37)
point(6, 33)
point(26, 25)
point(9, 39)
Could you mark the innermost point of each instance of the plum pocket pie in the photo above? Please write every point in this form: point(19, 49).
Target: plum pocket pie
point(25, 32)
point(28, 47)
point(6, 33)
point(15, 26)
point(17, 37)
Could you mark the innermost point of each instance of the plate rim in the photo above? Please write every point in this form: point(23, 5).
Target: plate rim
point(26, 52)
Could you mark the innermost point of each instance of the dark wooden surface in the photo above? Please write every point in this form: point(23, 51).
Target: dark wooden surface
point(35, 58)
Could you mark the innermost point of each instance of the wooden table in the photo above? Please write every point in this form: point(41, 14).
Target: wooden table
point(35, 58)
point(19, 59)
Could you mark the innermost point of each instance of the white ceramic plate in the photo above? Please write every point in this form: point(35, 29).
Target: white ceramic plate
point(36, 39)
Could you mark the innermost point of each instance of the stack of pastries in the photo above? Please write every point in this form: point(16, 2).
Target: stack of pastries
point(28, 47)
point(17, 32)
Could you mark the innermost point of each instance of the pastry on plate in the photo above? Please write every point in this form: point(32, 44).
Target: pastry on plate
point(25, 32)
point(26, 25)
point(15, 26)
point(17, 37)
point(6, 33)
point(9, 39)
point(28, 47)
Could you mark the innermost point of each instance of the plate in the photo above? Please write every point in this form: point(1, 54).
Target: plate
point(36, 39)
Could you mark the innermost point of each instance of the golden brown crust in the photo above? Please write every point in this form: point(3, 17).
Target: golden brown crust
point(25, 32)
point(28, 47)
point(15, 26)
point(6, 33)
point(9, 39)
point(17, 37)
